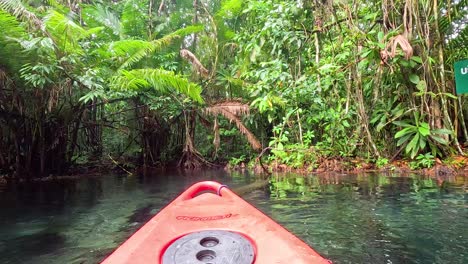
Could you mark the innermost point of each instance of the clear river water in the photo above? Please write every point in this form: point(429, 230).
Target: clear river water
point(368, 218)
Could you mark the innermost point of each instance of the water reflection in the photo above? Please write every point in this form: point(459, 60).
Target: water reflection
point(375, 218)
point(83, 220)
point(378, 218)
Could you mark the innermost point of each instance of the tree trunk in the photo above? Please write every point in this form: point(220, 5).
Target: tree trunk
point(150, 20)
point(442, 87)
point(2, 160)
point(42, 150)
point(195, 20)
point(191, 158)
point(74, 138)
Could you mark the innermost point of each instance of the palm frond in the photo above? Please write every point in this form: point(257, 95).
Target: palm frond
point(11, 30)
point(146, 50)
point(160, 80)
point(231, 110)
point(16, 8)
point(459, 10)
point(458, 42)
point(104, 16)
point(235, 107)
point(136, 50)
point(461, 39)
point(188, 30)
point(444, 24)
point(65, 32)
point(454, 19)
point(229, 9)
point(134, 18)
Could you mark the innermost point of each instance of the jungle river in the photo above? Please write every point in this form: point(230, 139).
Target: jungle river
point(368, 218)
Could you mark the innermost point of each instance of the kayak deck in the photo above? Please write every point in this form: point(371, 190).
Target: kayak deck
point(172, 232)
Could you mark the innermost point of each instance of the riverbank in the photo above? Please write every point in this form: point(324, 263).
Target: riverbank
point(455, 165)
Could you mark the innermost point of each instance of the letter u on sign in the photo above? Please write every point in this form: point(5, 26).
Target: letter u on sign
point(461, 76)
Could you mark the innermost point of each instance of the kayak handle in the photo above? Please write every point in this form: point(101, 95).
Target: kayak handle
point(216, 187)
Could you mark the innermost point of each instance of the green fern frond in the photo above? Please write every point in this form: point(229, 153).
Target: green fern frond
point(134, 17)
point(11, 30)
point(160, 80)
point(16, 8)
point(104, 16)
point(149, 49)
point(10, 26)
point(135, 50)
point(460, 10)
point(64, 31)
point(229, 9)
point(125, 48)
point(188, 30)
point(460, 40)
point(444, 24)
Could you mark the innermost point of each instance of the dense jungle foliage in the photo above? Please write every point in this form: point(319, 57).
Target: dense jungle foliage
point(192, 83)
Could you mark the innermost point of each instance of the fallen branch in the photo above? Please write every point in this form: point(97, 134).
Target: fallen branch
point(259, 158)
point(118, 165)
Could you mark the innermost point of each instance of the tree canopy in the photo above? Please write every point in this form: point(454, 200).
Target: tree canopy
point(199, 82)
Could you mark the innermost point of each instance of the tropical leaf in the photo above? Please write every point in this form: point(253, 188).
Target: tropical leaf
point(403, 139)
point(442, 131)
point(10, 26)
point(417, 136)
point(128, 47)
point(404, 131)
point(414, 78)
point(160, 80)
point(454, 27)
point(437, 133)
point(424, 130)
point(413, 146)
point(439, 140)
point(422, 143)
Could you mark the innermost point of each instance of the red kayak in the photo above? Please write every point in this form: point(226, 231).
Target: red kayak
point(210, 224)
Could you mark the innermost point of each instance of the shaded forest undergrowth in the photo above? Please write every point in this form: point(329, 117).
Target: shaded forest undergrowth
point(450, 166)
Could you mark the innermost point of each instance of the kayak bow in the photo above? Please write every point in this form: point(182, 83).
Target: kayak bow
point(208, 223)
